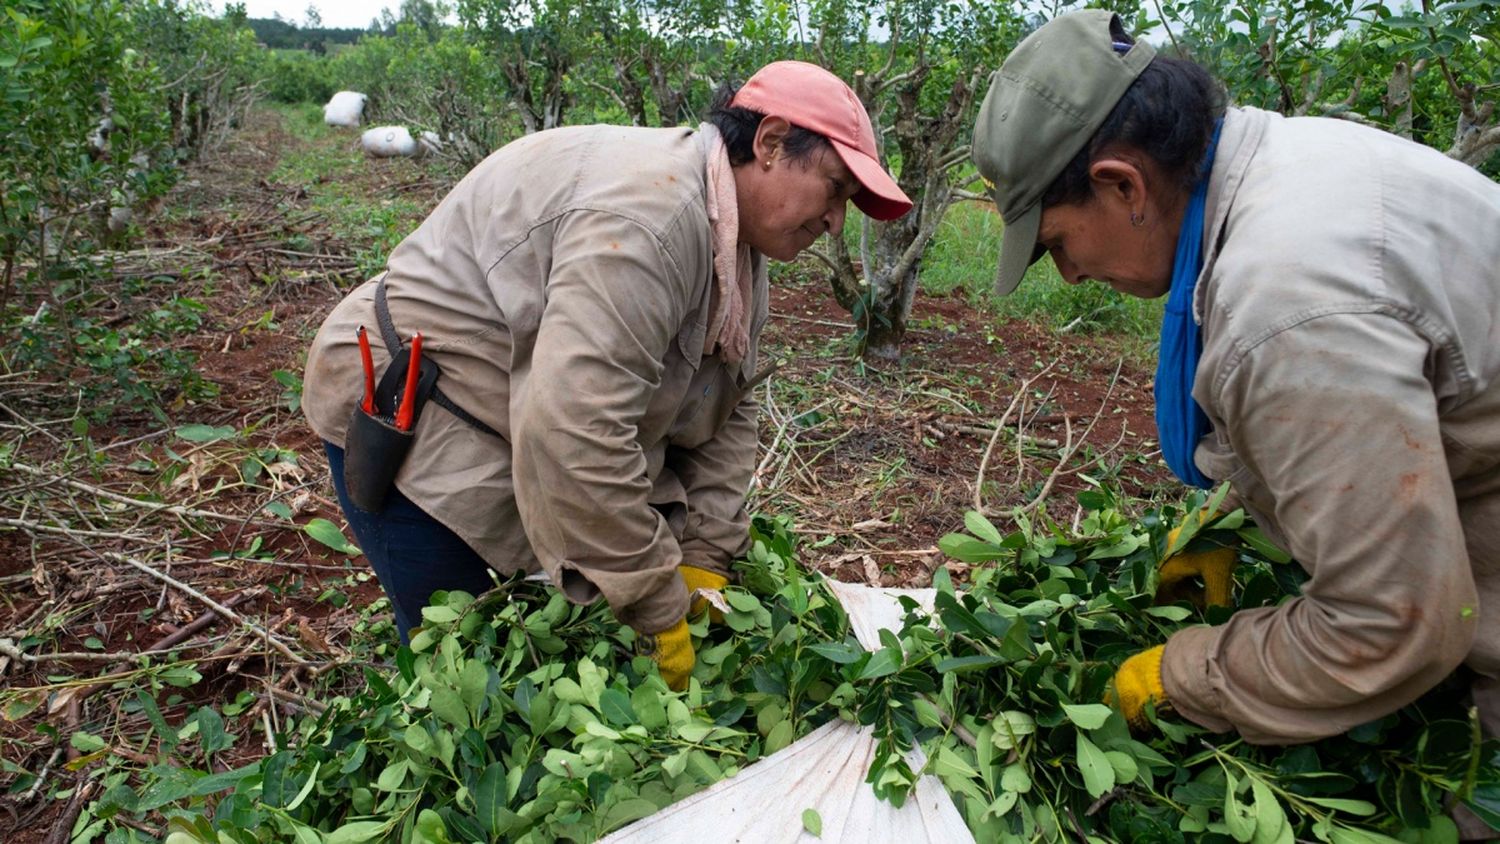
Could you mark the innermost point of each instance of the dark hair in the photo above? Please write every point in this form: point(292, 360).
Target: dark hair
point(1168, 113)
point(738, 126)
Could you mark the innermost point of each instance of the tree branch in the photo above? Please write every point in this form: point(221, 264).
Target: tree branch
point(221, 609)
point(1475, 148)
point(955, 157)
point(984, 462)
point(824, 257)
point(614, 95)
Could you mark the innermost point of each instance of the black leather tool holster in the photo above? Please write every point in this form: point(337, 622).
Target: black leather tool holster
point(374, 448)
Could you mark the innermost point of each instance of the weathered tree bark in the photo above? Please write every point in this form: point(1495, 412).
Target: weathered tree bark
point(671, 93)
point(1398, 102)
point(880, 290)
point(1477, 135)
point(632, 95)
point(531, 57)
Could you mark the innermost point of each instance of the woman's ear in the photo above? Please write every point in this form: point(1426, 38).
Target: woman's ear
point(769, 137)
point(1121, 180)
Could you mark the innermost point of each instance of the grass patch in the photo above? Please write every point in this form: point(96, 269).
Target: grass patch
point(341, 182)
point(963, 257)
point(963, 253)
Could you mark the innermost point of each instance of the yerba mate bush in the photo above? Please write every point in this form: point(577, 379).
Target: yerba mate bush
point(100, 103)
point(519, 717)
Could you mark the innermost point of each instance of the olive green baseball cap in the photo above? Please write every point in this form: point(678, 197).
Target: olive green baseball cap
point(1044, 104)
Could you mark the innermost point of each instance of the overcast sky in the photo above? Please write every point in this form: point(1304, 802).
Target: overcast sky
point(336, 13)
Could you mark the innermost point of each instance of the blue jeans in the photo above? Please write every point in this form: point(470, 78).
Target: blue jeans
point(412, 553)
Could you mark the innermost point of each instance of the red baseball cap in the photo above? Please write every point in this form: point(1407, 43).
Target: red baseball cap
point(809, 96)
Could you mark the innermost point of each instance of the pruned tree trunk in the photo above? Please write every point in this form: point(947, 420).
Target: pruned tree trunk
point(1398, 103)
point(881, 289)
point(1477, 135)
point(548, 111)
point(554, 101)
point(671, 95)
point(632, 95)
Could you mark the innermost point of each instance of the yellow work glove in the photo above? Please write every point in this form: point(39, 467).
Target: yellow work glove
point(673, 651)
point(1215, 568)
point(1136, 683)
point(697, 578)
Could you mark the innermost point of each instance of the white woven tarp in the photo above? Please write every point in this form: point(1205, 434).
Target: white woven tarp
point(824, 770)
point(871, 609)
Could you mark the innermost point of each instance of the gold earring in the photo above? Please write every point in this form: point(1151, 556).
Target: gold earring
point(768, 163)
point(1137, 220)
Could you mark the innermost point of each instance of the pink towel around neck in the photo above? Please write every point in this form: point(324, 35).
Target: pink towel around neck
point(729, 318)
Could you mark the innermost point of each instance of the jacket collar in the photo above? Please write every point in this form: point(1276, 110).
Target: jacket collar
point(1238, 140)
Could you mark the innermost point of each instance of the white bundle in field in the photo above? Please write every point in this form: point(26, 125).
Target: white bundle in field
point(389, 142)
point(430, 143)
point(346, 108)
point(823, 771)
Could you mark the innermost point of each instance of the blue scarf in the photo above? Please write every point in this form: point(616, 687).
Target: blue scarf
point(1180, 422)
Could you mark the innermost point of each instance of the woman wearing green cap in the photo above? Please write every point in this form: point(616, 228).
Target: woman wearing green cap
point(593, 297)
point(1331, 347)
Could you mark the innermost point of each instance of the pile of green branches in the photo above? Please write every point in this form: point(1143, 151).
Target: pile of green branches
point(519, 717)
point(1025, 653)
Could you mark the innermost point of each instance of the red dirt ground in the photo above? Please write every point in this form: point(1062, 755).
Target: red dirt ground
point(886, 467)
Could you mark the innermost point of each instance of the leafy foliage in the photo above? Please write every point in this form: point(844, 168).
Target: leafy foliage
point(68, 162)
point(1428, 73)
point(280, 34)
point(443, 82)
point(515, 66)
point(1024, 654)
point(297, 76)
point(522, 717)
point(102, 100)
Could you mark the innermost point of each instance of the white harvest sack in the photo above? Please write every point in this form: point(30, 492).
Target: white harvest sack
point(346, 108)
point(389, 142)
point(824, 771)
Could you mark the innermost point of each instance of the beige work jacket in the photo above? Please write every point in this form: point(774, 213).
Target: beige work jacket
point(564, 287)
point(1350, 305)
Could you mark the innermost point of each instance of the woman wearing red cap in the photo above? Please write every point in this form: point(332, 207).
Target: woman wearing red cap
point(593, 298)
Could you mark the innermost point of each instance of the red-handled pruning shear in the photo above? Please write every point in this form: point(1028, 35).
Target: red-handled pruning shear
point(409, 395)
point(368, 405)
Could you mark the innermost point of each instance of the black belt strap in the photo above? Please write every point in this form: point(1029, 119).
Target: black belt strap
point(393, 344)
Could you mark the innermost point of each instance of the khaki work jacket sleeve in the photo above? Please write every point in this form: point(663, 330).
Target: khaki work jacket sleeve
point(716, 476)
point(1335, 418)
point(615, 300)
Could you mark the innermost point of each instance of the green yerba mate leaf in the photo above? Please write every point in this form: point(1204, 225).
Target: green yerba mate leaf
point(977, 524)
point(812, 822)
point(1088, 716)
point(1098, 774)
point(329, 534)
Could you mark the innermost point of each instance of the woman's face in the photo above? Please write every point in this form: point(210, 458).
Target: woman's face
point(1100, 238)
point(785, 207)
